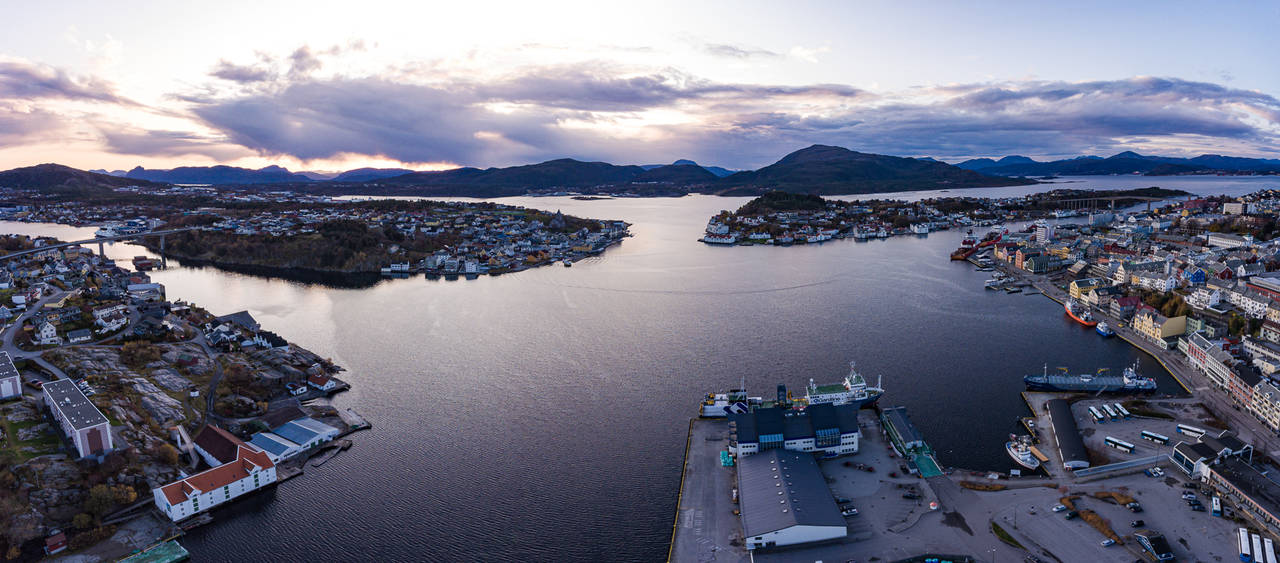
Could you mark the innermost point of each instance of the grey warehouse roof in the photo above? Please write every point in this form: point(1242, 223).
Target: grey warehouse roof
point(72, 403)
point(1064, 429)
point(779, 489)
point(7, 369)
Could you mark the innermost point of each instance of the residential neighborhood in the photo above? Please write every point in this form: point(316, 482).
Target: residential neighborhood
point(126, 417)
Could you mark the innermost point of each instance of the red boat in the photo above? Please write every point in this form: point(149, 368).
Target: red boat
point(963, 253)
point(1079, 313)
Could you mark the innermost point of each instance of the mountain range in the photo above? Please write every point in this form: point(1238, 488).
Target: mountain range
point(818, 169)
point(1127, 162)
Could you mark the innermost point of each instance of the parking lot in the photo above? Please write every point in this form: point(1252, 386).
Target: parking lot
point(1195, 536)
point(1129, 430)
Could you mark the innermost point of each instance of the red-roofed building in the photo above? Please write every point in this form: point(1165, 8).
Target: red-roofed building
point(321, 382)
point(55, 543)
point(251, 470)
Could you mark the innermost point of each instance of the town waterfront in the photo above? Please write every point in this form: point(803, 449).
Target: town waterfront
point(542, 415)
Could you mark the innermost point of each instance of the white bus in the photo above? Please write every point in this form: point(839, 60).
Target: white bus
point(1246, 554)
point(1269, 549)
point(1097, 415)
point(1190, 431)
point(1111, 413)
point(1119, 444)
point(1258, 556)
point(1157, 438)
point(1123, 411)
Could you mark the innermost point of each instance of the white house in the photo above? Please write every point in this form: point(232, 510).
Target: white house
point(321, 382)
point(47, 334)
point(80, 420)
point(10, 382)
point(1204, 297)
point(251, 470)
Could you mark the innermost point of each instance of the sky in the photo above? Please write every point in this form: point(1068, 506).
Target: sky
point(425, 85)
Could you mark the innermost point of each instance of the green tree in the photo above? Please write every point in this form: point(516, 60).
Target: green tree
point(100, 500)
point(82, 521)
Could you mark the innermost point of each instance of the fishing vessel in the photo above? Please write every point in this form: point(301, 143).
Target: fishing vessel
point(1105, 330)
point(1019, 448)
point(853, 390)
point(1079, 312)
point(720, 238)
point(1098, 382)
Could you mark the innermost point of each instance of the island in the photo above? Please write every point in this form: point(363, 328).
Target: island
point(786, 218)
point(125, 417)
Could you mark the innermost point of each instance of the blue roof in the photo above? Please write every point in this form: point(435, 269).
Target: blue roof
point(271, 443)
point(296, 433)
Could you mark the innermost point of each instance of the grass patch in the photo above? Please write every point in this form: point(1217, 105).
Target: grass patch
point(1141, 408)
point(1100, 524)
point(982, 486)
point(1118, 498)
point(1004, 536)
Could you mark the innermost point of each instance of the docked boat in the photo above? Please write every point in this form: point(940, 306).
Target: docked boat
point(1079, 312)
point(143, 263)
point(882, 233)
point(1019, 448)
point(853, 390)
point(400, 268)
point(1100, 382)
point(718, 405)
point(1105, 330)
point(920, 228)
point(993, 283)
point(963, 253)
point(720, 238)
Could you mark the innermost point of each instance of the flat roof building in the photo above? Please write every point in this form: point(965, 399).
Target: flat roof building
point(10, 382)
point(784, 500)
point(830, 429)
point(1249, 489)
point(82, 422)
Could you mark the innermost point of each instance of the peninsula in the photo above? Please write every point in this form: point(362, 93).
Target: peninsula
point(127, 416)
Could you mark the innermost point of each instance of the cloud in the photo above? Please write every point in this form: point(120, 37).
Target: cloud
point(123, 139)
point(30, 81)
point(736, 52)
point(244, 74)
point(303, 62)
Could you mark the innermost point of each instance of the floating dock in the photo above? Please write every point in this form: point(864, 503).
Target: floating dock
point(167, 552)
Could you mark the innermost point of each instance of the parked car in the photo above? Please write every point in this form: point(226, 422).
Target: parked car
point(1137, 523)
point(910, 496)
point(1072, 514)
point(1191, 485)
point(842, 500)
point(1059, 508)
point(1108, 542)
point(1134, 507)
point(1197, 507)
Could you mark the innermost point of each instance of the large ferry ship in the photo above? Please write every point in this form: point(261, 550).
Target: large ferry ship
point(1019, 448)
point(853, 390)
point(1079, 312)
point(1100, 382)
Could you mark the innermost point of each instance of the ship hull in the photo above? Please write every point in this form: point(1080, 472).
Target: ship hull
point(1040, 385)
point(1072, 314)
point(1033, 464)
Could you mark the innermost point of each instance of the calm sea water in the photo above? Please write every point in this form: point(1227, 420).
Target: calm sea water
point(541, 416)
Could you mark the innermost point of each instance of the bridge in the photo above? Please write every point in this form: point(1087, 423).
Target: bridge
point(101, 242)
point(1091, 202)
